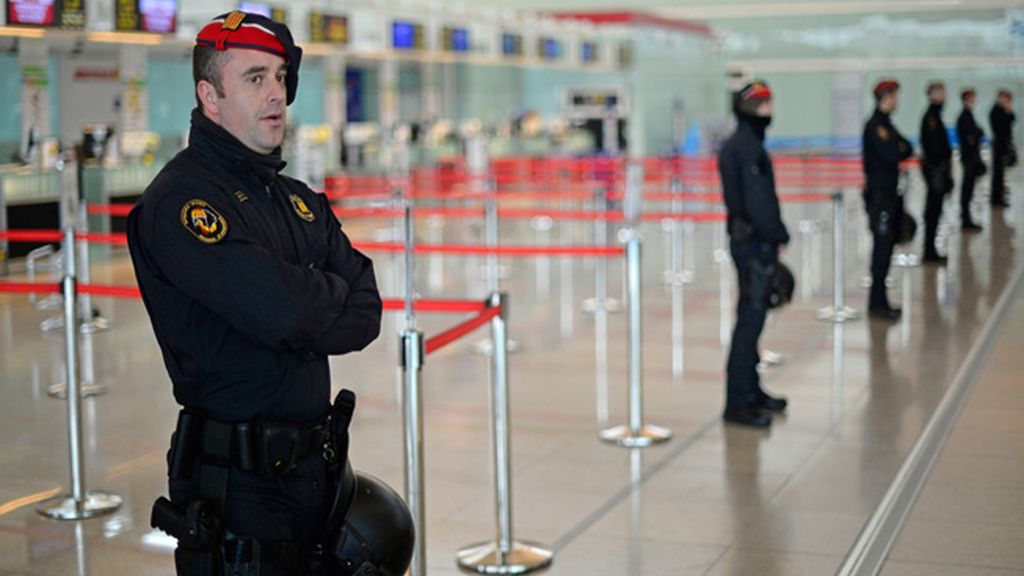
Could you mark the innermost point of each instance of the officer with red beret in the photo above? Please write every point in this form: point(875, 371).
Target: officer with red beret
point(883, 150)
point(250, 285)
point(756, 236)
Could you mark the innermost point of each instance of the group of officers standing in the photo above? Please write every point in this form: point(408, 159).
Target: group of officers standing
point(757, 234)
point(884, 148)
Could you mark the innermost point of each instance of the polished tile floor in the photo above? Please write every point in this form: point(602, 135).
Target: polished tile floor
point(715, 500)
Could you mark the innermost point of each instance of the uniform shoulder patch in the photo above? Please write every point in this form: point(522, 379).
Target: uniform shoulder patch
point(883, 133)
point(203, 221)
point(301, 209)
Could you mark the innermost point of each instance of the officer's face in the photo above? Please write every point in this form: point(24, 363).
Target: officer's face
point(253, 107)
point(969, 102)
point(764, 109)
point(938, 96)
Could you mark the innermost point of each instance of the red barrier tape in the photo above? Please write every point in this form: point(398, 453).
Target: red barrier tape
point(607, 251)
point(56, 236)
point(452, 334)
point(119, 210)
point(28, 287)
point(112, 291)
point(440, 306)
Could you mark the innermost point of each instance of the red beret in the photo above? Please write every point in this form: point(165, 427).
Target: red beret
point(756, 90)
point(240, 30)
point(886, 85)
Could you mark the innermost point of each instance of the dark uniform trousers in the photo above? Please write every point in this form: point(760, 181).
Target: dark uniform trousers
point(938, 182)
point(753, 260)
point(998, 193)
point(885, 218)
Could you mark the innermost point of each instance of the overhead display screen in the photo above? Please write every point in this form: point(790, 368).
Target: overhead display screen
point(454, 39)
point(588, 52)
point(407, 35)
point(68, 14)
point(549, 48)
point(511, 44)
point(160, 16)
point(331, 28)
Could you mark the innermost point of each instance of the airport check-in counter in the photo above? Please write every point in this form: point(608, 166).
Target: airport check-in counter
point(119, 184)
point(29, 199)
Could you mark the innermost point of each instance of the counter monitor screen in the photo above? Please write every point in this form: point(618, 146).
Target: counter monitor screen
point(329, 28)
point(67, 14)
point(407, 36)
point(588, 52)
point(549, 48)
point(511, 44)
point(255, 8)
point(454, 39)
point(158, 16)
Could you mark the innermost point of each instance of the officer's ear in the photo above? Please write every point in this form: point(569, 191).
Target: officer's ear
point(208, 97)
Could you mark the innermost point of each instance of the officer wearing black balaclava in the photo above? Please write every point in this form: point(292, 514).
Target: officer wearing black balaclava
point(936, 167)
point(756, 236)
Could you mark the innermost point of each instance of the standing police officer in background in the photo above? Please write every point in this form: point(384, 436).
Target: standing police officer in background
point(1001, 120)
point(969, 135)
point(757, 235)
point(883, 150)
point(250, 284)
point(936, 167)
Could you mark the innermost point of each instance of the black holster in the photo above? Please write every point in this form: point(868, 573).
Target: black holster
point(199, 535)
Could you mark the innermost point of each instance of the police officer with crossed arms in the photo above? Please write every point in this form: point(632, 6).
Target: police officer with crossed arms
point(250, 285)
point(883, 150)
point(756, 236)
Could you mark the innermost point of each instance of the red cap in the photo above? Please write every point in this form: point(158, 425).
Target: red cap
point(756, 90)
point(886, 85)
point(240, 30)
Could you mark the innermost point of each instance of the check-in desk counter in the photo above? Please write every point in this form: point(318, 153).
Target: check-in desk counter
point(29, 199)
point(120, 184)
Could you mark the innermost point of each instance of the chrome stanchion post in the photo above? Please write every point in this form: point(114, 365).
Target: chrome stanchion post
point(504, 555)
point(601, 301)
point(635, 434)
point(91, 323)
point(838, 312)
point(412, 365)
point(80, 504)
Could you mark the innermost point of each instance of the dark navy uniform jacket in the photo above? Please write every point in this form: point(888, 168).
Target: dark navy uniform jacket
point(970, 135)
point(249, 281)
point(1001, 122)
point(748, 184)
point(934, 139)
point(883, 150)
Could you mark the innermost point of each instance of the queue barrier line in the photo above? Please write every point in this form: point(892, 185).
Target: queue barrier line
point(454, 333)
point(527, 213)
point(522, 251)
point(54, 236)
point(117, 210)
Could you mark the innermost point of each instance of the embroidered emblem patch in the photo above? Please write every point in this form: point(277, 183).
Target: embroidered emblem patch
point(301, 209)
point(203, 221)
point(233, 21)
point(883, 133)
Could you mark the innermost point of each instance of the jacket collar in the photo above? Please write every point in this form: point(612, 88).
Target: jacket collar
point(227, 152)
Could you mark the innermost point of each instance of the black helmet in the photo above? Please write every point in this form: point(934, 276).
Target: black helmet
point(908, 228)
point(378, 536)
point(780, 290)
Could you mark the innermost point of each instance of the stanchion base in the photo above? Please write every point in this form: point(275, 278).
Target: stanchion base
point(683, 278)
point(56, 324)
point(486, 348)
point(607, 305)
point(844, 314)
point(523, 558)
point(64, 507)
point(647, 435)
point(60, 390)
point(903, 260)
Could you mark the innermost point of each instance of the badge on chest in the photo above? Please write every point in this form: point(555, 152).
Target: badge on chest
point(301, 209)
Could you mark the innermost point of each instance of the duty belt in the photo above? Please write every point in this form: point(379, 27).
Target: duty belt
point(259, 447)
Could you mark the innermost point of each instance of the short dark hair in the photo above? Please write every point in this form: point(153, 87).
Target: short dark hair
point(207, 64)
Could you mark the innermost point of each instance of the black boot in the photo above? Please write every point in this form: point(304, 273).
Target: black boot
point(747, 416)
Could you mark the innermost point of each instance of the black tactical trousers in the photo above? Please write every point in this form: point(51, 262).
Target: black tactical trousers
point(881, 258)
point(743, 384)
point(292, 508)
point(967, 192)
point(998, 194)
point(938, 182)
